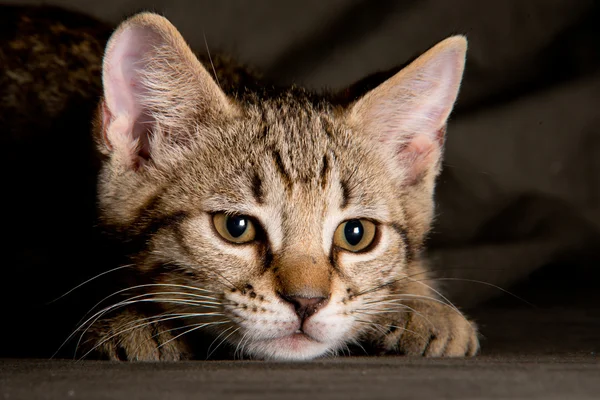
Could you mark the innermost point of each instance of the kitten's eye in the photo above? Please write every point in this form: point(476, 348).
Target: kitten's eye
point(234, 228)
point(354, 235)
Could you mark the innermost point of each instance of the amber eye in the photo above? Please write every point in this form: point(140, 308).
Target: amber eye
point(354, 235)
point(234, 228)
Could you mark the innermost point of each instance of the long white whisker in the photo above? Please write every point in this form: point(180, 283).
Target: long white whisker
point(378, 327)
point(88, 281)
point(245, 343)
point(140, 299)
point(132, 288)
point(238, 346)
point(481, 283)
point(129, 301)
point(357, 343)
point(407, 296)
point(223, 341)
point(204, 299)
point(213, 342)
point(79, 323)
point(396, 302)
point(150, 285)
point(140, 326)
point(438, 293)
point(193, 329)
point(393, 326)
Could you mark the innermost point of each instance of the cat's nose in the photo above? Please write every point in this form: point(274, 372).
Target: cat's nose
point(305, 306)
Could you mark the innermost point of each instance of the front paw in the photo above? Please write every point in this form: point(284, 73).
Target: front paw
point(129, 337)
point(431, 330)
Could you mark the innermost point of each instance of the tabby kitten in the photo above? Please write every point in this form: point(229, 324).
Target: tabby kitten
point(287, 225)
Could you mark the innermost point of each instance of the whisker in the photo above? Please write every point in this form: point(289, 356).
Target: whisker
point(482, 283)
point(397, 302)
point(408, 296)
point(423, 272)
point(393, 326)
point(223, 341)
point(436, 292)
point(446, 301)
point(379, 312)
point(157, 285)
point(88, 281)
point(222, 279)
point(238, 346)
point(131, 300)
point(137, 299)
point(139, 326)
point(177, 328)
point(144, 286)
point(356, 342)
point(244, 344)
point(159, 318)
point(392, 311)
point(385, 300)
point(141, 299)
point(375, 326)
point(225, 280)
point(193, 329)
point(217, 338)
point(203, 299)
point(348, 349)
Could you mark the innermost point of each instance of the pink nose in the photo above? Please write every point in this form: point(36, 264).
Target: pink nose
point(305, 306)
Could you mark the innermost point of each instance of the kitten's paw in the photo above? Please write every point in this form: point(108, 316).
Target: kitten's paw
point(129, 337)
point(432, 330)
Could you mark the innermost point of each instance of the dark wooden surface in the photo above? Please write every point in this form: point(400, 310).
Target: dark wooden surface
point(497, 377)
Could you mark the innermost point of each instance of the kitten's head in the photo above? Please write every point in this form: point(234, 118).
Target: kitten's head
point(281, 223)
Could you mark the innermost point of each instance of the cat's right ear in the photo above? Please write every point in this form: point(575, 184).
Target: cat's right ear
point(155, 91)
point(408, 113)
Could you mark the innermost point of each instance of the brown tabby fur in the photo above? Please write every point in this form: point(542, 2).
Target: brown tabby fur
point(299, 163)
point(288, 159)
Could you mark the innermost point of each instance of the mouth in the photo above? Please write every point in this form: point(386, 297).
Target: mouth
point(294, 346)
point(295, 340)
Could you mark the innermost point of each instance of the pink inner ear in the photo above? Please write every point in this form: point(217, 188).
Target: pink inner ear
point(419, 154)
point(128, 122)
point(120, 74)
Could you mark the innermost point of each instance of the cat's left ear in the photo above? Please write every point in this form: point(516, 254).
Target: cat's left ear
point(408, 112)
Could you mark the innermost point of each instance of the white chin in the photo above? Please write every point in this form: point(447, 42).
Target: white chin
point(295, 347)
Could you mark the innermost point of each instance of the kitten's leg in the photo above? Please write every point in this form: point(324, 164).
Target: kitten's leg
point(430, 329)
point(130, 337)
point(424, 323)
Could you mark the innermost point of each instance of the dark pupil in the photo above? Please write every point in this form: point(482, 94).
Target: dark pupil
point(354, 232)
point(237, 225)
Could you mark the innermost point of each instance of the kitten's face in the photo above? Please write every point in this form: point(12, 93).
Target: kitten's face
point(295, 176)
point(279, 224)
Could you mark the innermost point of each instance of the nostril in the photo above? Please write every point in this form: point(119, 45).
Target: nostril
point(306, 302)
point(305, 306)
